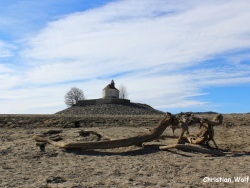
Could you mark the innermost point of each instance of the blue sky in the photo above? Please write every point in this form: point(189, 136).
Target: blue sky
point(173, 55)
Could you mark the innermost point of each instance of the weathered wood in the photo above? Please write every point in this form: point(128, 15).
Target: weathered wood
point(136, 140)
point(194, 148)
point(146, 137)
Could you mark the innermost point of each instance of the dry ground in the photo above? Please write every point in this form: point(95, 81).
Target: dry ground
point(22, 164)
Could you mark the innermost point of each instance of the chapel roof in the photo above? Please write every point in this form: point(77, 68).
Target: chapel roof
point(110, 86)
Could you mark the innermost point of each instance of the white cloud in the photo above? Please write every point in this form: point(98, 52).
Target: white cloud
point(154, 47)
point(100, 34)
point(8, 78)
point(142, 41)
point(6, 49)
point(5, 68)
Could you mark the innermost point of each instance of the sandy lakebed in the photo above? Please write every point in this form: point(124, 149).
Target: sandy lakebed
point(22, 164)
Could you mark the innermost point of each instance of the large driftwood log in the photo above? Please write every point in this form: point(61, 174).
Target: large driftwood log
point(136, 140)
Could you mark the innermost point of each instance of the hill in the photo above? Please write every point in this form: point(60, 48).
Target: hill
point(111, 109)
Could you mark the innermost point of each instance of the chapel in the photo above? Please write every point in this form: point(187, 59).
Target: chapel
point(110, 92)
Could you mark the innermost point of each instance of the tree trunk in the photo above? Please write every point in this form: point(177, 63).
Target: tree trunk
point(136, 140)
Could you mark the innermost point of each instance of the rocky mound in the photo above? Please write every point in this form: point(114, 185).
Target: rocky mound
point(111, 109)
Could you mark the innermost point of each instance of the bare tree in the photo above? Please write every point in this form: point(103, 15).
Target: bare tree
point(73, 96)
point(123, 94)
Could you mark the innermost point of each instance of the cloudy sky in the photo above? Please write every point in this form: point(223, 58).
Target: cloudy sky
point(185, 55)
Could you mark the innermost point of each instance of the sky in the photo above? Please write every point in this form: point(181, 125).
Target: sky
point(185, 55)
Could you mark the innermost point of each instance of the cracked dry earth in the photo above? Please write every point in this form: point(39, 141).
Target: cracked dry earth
point(22, 164)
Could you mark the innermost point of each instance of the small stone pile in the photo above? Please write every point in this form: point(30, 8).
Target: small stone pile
point(111, 109)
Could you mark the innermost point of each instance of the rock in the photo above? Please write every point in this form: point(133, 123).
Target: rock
point(53, 131)
point(41, 146)
point(56, 138)
point(56, 179)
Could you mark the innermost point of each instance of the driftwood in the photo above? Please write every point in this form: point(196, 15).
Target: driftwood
point(207, 132)
point(192, 147)
point(205, 135)
point(138, 140)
